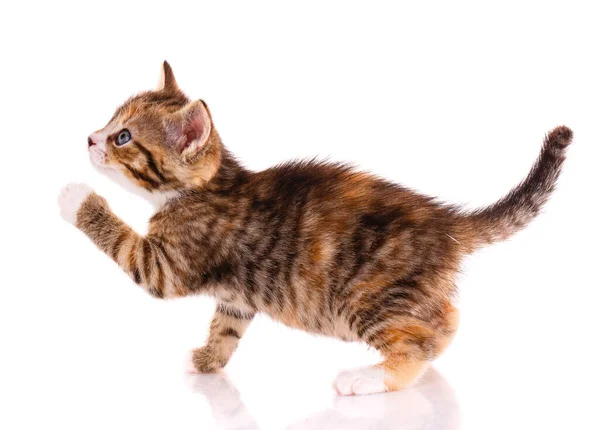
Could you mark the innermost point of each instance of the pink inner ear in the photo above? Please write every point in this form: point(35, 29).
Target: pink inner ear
point(190, 136)
point(194, 131)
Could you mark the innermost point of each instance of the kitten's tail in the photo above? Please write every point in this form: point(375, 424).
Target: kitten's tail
point(523, 203)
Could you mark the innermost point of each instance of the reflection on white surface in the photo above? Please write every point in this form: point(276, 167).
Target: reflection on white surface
point(430, 405)
point(224, 400)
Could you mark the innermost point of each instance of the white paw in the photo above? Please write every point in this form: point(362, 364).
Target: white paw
point(365, 380)
point(70, 199)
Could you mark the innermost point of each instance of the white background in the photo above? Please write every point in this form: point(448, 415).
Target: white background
point(450, 99)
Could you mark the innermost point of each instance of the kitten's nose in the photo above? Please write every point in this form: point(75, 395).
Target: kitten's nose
point(90, 142)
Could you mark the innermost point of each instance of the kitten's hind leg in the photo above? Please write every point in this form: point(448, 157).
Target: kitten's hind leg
point(407, 350)
point(394, 373)
point(407, 347)
point(447, 330)
point(226, 329)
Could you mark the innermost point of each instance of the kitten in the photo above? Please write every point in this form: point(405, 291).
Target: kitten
point(318, 246)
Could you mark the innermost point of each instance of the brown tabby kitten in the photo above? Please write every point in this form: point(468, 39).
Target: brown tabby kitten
point(318, 246)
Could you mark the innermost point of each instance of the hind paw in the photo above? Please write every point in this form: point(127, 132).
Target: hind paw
point(365, 380)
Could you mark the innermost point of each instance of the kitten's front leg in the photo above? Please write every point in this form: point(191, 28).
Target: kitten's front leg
point(143, 259)
point(226, 329)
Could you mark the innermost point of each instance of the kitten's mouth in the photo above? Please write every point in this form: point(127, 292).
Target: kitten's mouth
point(97, 156)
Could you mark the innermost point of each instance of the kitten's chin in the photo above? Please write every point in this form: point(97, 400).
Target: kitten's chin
point(156, 199)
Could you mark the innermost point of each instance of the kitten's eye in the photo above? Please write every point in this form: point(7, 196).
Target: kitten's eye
point(123, 137)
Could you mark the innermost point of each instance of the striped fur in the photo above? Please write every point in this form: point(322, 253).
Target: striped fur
point(318, 246)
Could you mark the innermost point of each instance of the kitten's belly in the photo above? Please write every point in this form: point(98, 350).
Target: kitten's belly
point(311, 322)
point(316, 324)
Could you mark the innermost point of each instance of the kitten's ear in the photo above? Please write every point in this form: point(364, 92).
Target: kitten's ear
point(167, 79)
point(189, 128)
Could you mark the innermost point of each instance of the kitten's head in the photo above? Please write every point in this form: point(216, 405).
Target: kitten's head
point(159, 140)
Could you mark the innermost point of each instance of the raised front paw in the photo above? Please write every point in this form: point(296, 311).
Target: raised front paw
point(204, 360)
point(70, 199)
